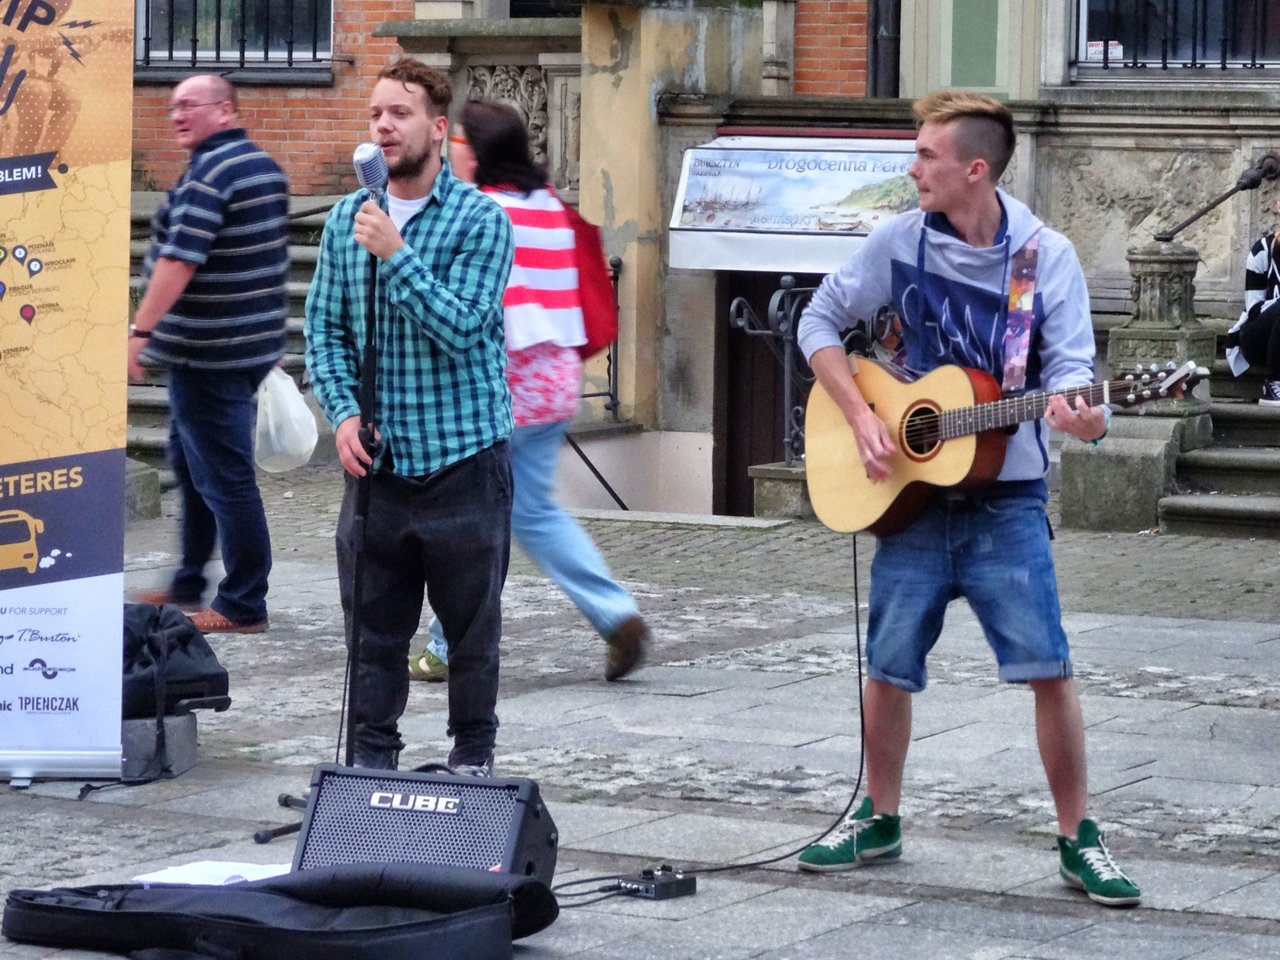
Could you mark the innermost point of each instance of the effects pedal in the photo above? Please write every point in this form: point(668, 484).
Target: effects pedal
point(663, 883)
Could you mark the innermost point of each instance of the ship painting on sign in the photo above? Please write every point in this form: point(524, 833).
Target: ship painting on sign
point(711, 206)
point(867, 207)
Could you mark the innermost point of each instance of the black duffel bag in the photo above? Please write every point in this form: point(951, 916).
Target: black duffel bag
point(166, 659)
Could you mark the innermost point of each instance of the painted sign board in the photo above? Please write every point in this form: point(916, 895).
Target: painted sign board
point(786, 204)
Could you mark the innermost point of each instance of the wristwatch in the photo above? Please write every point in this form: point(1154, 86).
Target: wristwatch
point(140, 334)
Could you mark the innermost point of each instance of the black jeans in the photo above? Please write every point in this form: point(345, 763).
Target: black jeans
point(1260, 341)
point(450, 533)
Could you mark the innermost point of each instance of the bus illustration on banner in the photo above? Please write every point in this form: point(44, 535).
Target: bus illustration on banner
point(18, 549)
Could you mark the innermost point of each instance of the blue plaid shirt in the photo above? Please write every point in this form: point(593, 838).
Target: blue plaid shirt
point(441, 382)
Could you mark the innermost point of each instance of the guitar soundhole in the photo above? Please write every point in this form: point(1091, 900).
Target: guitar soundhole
point(920, 432)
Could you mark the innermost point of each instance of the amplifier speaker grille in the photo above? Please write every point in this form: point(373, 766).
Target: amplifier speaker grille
point(356, 815)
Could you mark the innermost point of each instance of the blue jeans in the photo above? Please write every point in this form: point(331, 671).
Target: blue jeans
point(552, 538)
point(211, 453)
point(993, 552)
point(449, 533)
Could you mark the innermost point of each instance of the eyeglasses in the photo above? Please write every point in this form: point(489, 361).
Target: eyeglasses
point(178, 108)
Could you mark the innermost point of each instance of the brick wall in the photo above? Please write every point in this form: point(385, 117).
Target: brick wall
point(311, 131)
point(831, 48)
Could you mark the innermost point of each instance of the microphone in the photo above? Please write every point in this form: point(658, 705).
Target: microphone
point(371, 169)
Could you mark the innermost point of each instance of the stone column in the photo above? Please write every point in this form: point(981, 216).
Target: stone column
point(778, 47)
point(1118, 485)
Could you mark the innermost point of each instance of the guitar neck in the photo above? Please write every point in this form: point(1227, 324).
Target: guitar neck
point(963, 421)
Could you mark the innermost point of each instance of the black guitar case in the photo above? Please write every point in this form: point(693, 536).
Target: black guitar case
point(349, 912)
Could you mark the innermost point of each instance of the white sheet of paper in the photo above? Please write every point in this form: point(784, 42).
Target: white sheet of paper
point(213, 872)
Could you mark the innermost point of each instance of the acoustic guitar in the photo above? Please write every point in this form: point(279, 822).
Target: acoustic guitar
point(950, 428)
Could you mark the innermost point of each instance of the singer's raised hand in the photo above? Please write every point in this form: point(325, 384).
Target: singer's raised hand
point(375, 232)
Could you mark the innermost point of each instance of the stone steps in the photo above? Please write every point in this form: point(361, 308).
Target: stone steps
point(1231, 488)
point(1221, 515)
point(1233, 470)
point(1241, 424)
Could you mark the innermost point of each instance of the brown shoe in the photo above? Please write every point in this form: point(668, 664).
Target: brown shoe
point(627, 648)
point(163, 598)
point(211, 621)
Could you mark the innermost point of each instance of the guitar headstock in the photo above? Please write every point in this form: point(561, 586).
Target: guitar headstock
point(1156, 383)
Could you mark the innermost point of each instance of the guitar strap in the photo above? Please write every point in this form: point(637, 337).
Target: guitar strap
point(1017, 326)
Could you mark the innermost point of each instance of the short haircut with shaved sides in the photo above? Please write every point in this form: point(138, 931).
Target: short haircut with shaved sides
point(981, 126)
point(434, 83)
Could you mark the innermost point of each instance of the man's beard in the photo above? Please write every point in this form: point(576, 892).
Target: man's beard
point(410, 165)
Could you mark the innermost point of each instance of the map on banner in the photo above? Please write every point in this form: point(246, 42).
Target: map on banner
point(64, 211)
point(66, 106)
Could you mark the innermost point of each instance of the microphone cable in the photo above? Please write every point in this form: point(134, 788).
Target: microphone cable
point(610, 882)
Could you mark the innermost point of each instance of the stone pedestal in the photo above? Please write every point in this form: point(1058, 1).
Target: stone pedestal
point(1117, 485)
point(779, 490)
point(1162, 326)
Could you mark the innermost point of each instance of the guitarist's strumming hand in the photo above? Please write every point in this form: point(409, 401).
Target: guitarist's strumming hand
point(1084, 422)
point(875, 443)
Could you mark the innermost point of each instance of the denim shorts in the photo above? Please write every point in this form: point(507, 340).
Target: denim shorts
point(992, 552)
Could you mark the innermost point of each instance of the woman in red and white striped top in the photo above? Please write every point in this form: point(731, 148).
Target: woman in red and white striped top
point(544, 327)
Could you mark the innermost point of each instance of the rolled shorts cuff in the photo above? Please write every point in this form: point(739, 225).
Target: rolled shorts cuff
point(910, 686)
point(1026, 672)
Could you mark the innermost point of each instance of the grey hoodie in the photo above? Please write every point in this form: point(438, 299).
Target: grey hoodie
point(953, 300)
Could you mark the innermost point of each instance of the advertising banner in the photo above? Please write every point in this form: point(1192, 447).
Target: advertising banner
point(66, 90)
point(786, 204)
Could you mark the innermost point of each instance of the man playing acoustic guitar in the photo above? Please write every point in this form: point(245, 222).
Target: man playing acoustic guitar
point(978, 281)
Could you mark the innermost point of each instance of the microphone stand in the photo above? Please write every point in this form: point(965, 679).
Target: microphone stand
point(373, 446)
point(368, 439)
point(1267, 168)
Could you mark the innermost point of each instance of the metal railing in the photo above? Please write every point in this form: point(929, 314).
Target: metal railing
point(779, 334)
point(271, 33)
point(1178, 34)
point(610, 393)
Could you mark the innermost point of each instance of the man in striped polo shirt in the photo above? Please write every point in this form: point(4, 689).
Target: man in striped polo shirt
point(439, 508)
point(214, 315)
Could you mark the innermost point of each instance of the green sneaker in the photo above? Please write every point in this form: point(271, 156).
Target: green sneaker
point(861, 839)
point(427, 666)
point(1087, 865)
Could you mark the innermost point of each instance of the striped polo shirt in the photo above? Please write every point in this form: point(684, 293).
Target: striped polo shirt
point(228, 215)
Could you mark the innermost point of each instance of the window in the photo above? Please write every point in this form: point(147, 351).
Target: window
point(233, 32)
point(1178, 34)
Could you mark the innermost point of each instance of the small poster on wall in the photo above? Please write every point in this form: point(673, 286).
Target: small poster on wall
point(738, 196)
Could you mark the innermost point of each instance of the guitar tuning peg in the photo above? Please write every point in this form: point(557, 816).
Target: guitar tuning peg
point(1154, 368)
point(1137, 368)
point(1163, 391)
point(1128, 377)
point(1130, 399)
point(1171, 366)
point(1146, 394)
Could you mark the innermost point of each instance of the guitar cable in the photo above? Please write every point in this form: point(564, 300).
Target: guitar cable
point(612, 881)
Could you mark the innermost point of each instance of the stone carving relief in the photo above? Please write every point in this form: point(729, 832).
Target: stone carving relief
point(1109, 199)
point(523, 87)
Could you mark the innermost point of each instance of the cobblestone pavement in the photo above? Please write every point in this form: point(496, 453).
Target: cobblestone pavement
point(741, 736)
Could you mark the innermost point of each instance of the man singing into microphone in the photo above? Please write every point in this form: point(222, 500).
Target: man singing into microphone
point(439, 514)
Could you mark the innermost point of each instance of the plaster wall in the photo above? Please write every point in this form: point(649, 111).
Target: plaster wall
point(665, 471)
point(631, 55)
